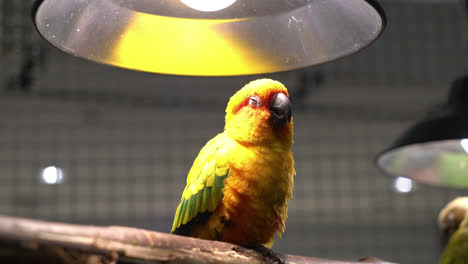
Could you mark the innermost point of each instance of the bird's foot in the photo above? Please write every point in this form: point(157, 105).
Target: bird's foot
point(269, 255)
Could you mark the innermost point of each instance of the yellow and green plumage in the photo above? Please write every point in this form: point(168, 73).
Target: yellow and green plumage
point(239, 184)
point(453, 221)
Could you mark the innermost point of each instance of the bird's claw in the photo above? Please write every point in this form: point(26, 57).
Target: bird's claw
point(269, 255)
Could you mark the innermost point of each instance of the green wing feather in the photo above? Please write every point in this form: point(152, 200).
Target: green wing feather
point(205, 184)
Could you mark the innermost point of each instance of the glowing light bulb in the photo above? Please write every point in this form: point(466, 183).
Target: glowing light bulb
point(52, 175)
point(464, 144)
point(403, 185)
point(208, 5)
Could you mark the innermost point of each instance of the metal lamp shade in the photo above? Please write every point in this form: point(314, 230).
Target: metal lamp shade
point(246, 37)
point(434, 151)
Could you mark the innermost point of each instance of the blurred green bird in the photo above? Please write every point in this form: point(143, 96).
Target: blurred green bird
point(453, 223)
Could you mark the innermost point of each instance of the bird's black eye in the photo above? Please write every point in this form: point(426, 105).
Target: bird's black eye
point(255, 101)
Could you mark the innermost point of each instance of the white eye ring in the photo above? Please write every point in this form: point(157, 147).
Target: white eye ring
point(255, 101)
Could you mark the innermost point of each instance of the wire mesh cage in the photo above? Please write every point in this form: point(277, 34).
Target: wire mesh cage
point(91, 144)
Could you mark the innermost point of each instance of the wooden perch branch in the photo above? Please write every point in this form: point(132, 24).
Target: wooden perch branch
point(131, 245)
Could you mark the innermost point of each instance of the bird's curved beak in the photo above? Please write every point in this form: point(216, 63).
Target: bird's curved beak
point(280, 109)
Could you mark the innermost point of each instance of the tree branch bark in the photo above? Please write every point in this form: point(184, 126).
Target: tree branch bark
point(92, 244)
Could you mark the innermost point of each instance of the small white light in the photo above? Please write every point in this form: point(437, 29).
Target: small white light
point(403, 185)
point(464, 144)
point(208, 5)
point(52, 175)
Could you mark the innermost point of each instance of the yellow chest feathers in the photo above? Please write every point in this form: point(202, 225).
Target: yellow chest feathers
point(260, 177)
point(256, 194)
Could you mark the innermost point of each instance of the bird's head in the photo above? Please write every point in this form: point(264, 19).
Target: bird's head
point(260, 113)
point(452, 216)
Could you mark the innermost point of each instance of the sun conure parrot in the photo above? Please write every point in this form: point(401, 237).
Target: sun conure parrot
point(238, 187)
point(453, 222)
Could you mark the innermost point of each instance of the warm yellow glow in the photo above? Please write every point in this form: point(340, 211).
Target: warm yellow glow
point(208, 5)
point(185, 46)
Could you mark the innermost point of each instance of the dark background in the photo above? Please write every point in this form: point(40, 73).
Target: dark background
point(126, 140)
